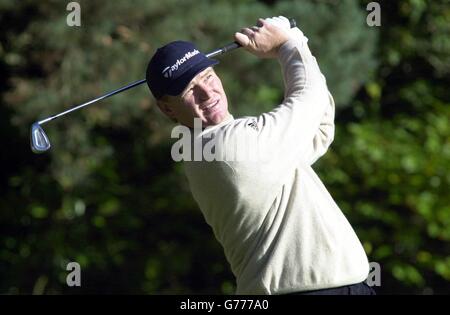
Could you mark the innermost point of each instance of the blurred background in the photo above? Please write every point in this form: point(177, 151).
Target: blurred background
point(108, 195)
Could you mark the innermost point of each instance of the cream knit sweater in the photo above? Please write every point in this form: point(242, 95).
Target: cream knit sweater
point(280, 229)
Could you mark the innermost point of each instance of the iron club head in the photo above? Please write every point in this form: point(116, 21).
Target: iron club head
point(39, 140)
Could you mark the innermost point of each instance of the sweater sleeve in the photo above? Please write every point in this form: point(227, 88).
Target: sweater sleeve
point(324, 135)
point(302, 126)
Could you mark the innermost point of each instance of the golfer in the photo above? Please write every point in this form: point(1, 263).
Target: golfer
point(281, 230)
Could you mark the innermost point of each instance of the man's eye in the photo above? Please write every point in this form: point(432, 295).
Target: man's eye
point(188, 92)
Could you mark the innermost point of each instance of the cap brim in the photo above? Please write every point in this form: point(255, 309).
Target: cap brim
point(181, 82)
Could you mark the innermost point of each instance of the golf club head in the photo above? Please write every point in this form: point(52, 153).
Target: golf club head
point(39, 140)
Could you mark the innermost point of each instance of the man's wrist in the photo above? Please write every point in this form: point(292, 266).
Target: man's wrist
point(296, 40)
point(286, 47)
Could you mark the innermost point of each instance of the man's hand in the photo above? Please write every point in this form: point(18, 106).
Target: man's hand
point(265, 39)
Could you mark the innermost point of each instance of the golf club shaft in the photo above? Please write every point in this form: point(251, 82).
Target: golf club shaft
point(124, 88)
point(217, 52)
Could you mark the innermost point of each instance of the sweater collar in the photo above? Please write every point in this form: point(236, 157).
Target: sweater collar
point(212, 128)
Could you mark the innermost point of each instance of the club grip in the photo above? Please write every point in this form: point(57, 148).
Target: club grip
point(230, 46)
point(293, 23)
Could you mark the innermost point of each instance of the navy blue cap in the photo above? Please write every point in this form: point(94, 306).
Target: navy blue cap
point(173, 66)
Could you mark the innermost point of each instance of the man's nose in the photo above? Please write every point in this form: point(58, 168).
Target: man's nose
point(204, 91)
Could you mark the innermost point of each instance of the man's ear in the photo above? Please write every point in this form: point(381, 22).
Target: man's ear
point(165, 106)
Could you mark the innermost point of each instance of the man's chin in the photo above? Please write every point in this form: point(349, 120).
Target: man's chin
point(216, 119)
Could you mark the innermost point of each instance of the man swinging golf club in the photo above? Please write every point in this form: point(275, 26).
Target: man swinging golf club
point(281, 231)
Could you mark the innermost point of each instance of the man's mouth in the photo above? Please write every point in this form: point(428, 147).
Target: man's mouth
point(211, 106)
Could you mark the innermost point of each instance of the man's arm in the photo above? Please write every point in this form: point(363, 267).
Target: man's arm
point(303, 125)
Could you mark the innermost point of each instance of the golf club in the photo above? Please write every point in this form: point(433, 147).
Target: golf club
point(39, 140)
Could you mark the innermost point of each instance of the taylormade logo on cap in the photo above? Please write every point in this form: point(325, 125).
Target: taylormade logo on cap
point(167, 72)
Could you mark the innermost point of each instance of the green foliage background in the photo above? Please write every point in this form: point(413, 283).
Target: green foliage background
point(108, 194)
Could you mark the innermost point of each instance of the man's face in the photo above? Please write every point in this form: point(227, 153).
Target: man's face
point(203, 98)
